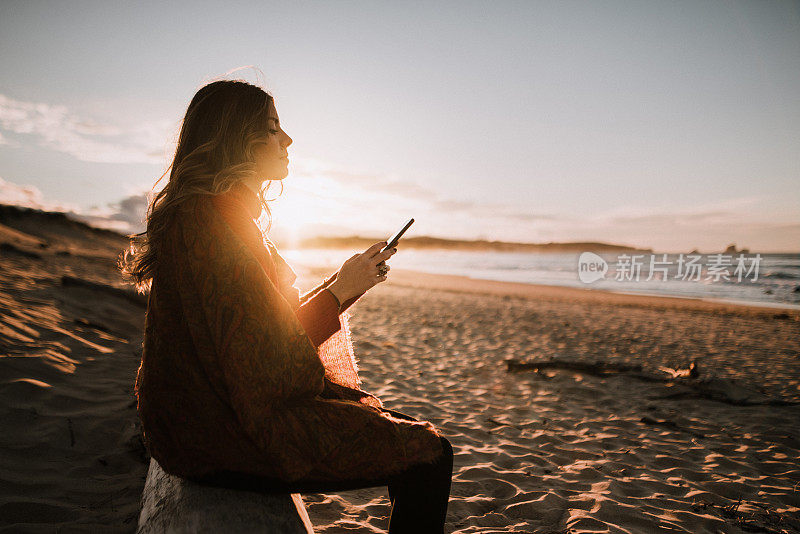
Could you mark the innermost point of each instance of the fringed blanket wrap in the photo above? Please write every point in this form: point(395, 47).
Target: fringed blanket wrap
point(229, 380)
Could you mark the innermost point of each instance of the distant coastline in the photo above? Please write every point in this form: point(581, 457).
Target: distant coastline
point(425, 242)
point(11, 215)
point(34, 235)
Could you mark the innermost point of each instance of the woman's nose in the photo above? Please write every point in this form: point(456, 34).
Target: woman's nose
point(288, 140)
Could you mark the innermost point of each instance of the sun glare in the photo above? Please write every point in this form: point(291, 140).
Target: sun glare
point(306, 207)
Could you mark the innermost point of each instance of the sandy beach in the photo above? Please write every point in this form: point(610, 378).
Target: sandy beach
point(549, 451)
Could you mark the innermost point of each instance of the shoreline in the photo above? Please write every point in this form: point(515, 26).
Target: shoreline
point(466, 284)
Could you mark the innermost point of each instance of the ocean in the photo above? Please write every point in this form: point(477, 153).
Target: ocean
point(765, 280)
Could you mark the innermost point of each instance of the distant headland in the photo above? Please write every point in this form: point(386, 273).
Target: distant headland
point(51, 226)
point(425, 242)
point(54, 225)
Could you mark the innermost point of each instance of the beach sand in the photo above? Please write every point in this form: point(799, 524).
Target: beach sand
point(549, 451)
point(567, 452)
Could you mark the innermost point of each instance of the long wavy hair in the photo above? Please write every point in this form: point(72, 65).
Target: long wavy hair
point(225, 120)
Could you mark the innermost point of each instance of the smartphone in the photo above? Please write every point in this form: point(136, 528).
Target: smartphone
point(396, 237)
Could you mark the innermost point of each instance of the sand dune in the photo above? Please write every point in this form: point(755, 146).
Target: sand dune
point(71, 452)
point(553, 451)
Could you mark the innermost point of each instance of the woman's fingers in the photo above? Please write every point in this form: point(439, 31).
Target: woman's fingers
point(383, 257)
point(374, 249)
point(380, 258)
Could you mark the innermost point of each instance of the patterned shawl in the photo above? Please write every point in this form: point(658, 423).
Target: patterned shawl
point(341, 368)
point(231, 381)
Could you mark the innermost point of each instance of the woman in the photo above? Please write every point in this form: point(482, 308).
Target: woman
point(243, 382)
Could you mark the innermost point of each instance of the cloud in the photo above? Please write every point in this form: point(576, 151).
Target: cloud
point(532, 217)
point(399, 188)
point(492, 210)
point(728, 211)
point(708, 227)
point(124, 216)
point(28, 196)
point(746, 221)
point(455, 205)
point(57, 128)
point(102, 221)
point(131, 210)
point(374, 182)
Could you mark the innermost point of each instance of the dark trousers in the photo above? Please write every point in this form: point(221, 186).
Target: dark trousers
point(419, 495)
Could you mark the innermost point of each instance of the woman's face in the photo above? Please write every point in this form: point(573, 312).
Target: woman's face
point(271, 156)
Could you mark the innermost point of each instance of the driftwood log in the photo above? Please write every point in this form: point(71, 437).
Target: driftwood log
point(172, 504)
point(687, 382)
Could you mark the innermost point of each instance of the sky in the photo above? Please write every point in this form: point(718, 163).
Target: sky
point(665, 125)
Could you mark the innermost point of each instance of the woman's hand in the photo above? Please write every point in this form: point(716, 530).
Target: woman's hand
point(360, 272)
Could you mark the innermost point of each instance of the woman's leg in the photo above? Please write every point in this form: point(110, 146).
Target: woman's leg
point(418, 496)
